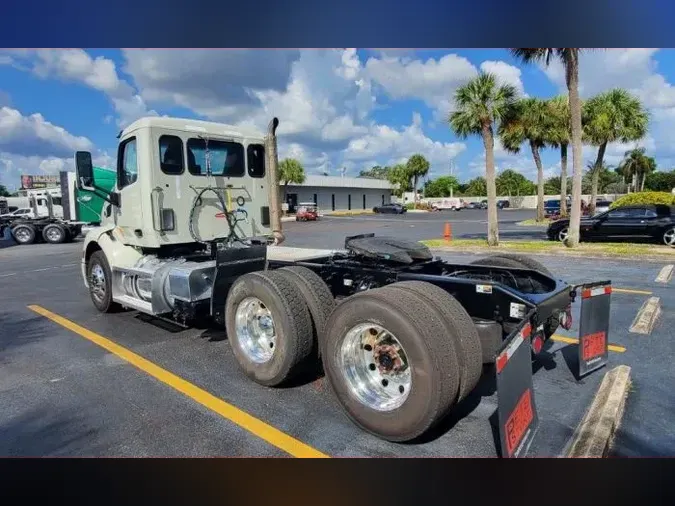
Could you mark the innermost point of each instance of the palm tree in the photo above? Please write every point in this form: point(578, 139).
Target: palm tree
point(481, 104)
point(637, 165)
point(559, 134)
point(417, 167)
point(569, 56)
point(528, 121)
point(612, 116)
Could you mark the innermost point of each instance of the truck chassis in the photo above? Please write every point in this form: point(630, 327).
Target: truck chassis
point(31, 230)
point(402, 336)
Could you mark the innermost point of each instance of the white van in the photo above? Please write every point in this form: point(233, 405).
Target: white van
point(452, 203)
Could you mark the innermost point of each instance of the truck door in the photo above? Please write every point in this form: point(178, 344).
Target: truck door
point(129, 216)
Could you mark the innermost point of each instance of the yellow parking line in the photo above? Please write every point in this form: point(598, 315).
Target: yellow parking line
point(572, 340)
point(261, 429)
point(628, 290)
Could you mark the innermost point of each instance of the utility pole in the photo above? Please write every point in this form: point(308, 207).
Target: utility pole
point(452, 170)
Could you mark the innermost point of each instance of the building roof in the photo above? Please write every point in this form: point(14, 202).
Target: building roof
point(345, 182)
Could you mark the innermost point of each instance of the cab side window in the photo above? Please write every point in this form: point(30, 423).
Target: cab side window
point(127, 163)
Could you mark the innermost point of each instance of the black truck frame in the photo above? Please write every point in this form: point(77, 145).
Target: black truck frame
point(464, 317)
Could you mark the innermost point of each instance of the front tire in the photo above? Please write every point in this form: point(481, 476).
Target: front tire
point(99, 279)
point(562, 234)
point(669, 237)
point(269, 327)
point(416, 380)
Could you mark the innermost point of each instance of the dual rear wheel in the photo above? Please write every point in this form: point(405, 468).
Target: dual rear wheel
point(398, 358)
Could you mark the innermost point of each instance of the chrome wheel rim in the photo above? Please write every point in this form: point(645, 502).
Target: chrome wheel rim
point(22, 234)
point(669, 237)
point(53, 234)
point(256, 333)
point(562, 235)
point(375, 367)
point(97, 283)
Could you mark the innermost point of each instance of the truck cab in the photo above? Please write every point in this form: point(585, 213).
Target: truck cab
point(181, 186)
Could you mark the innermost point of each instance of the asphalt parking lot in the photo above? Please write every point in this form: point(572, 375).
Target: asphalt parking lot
point(64, 392)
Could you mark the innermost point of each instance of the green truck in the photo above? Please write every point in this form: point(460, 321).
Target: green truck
point(87, 206)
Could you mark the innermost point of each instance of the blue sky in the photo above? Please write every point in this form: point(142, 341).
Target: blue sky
point(337, 108)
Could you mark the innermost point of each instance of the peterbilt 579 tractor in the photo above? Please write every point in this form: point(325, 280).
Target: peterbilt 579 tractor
point(193, 231)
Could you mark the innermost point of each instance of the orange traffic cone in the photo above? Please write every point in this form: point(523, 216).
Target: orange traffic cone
point(447, 233)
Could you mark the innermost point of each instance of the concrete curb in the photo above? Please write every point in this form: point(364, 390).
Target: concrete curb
point(594, 435)
point(586, 255)
point(665, 274)
point(647, 316)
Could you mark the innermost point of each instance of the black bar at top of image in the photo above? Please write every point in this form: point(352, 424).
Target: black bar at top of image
point(374, 24)
point(336, 482)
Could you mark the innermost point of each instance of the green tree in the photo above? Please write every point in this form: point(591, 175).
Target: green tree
point(477, 187)
point(660, 181)
point(510, 182)
point(610, 117)
point(528, 122)
point(376, 172)
point(417, 167)
point(602, 177)
point(635, 167)
point(399, 175)
point(553, 186)
point(4, 192)
point(290, 171)
point(569, 57)
point(558, 136)
point(442, 186)
point(481, 105)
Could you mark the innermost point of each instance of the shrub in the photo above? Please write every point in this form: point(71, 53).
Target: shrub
point(422, 206)
point(645, 198)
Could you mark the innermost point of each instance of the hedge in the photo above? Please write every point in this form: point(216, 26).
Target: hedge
point(645, 198)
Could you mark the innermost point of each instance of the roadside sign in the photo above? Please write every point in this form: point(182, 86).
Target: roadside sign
point(594, 327)
point(516, 409)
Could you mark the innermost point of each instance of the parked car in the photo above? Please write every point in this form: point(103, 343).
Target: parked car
point(23, 212)
point(551, 208)
point(503, 204)
point(483, 204)
point(390, 209)
point(473, 205)
point(639, 222)
point(307, 211)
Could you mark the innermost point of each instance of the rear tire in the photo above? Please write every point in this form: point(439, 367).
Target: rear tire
point(55, 233)
point(316, 295)
point(99, 279)
point(460, 329)
point(427, 358)
point(522, 262)
point(269, 327)
point(513, 260)
point(24, 234)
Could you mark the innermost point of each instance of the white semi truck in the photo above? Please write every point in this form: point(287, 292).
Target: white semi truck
point(194, 231)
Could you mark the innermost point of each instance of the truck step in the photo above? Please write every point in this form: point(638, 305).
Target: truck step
point(131, 302)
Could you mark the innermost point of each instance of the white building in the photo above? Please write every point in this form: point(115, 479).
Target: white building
point(332, 193)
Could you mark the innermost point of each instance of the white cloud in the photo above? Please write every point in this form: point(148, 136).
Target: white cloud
point(34, 135)
point(76, 65)
point(506, 74)
point(389, 146)
point(432, 81)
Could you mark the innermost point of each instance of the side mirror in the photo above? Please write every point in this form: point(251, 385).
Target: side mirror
point(84, 171)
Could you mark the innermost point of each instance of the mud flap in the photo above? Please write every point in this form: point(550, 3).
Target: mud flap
point(516, 409)
point(594, 326)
